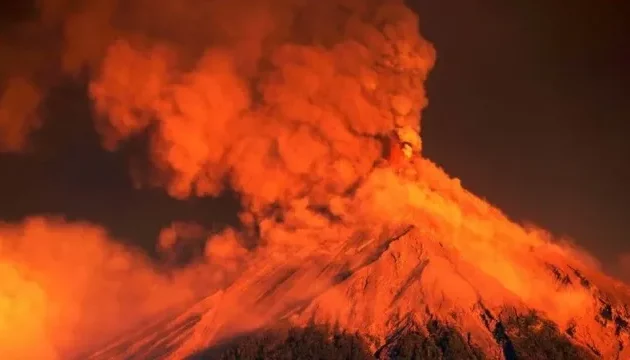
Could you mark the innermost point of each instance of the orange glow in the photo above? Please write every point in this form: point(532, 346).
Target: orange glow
point(263, 98)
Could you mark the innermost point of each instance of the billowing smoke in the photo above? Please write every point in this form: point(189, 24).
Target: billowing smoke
point(278, 100)
point(17, 116)
point(40, 42)
point(285, 102)
point(66, 287)
point(281, 101)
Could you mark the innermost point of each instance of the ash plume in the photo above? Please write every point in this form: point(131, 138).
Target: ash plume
point(278, 100)
point(66, 287)
point(284, 102)
point(287, 104)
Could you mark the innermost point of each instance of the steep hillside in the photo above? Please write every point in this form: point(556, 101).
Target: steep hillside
point(447, 279)
point(340, 240)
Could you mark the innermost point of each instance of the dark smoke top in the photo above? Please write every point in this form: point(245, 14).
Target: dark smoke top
point(279, 100)
point(283, 102)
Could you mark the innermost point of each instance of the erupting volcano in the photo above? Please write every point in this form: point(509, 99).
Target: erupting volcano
point(307, 113)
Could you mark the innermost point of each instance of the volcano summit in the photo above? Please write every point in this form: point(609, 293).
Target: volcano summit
point(454, 279)
point(347, 241)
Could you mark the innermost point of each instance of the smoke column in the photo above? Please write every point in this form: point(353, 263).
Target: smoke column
point(279, 100)
point(283, 101)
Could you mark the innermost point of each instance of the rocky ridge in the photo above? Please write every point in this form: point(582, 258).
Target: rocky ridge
point(424, 288)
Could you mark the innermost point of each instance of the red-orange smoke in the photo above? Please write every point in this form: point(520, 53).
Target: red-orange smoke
point(52, 39)
point(285, 102)
point(66, 288)
point(18, 105)
point(288, 106)
point(280, 100)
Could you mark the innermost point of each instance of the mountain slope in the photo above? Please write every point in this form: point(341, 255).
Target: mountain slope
point(452, 273)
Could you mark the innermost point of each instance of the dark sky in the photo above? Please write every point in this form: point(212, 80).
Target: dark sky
point(528, 107)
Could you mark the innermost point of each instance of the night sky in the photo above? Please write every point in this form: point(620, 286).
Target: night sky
point(528, 107)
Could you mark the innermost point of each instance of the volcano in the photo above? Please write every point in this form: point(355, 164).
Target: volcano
point(456, 279)
point(340, 238)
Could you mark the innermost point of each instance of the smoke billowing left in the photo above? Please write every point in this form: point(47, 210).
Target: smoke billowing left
point(282, 102)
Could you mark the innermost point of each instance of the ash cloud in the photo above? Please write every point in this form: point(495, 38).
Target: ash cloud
point(65, 288)
point(284, 102)
point(298, 91)
point(278, 100)
point(41, 41)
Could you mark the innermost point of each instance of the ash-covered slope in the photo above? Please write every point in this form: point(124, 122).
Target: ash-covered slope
point(453, 278)
point(289, 105)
